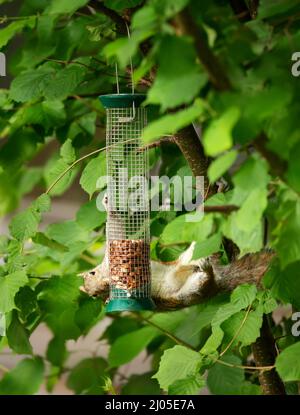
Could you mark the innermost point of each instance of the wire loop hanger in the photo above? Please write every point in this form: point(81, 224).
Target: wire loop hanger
point(126, 119)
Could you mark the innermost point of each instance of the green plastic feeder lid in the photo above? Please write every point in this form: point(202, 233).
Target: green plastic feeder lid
point(129, 304)
point(122, 100)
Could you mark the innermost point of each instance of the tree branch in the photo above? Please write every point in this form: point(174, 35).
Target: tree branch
point(264, 352)
point(278, 166)
point(191, 147)
point(111, 14)
point(241, 10)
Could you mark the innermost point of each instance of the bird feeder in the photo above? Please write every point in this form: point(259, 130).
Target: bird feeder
point(128, 230)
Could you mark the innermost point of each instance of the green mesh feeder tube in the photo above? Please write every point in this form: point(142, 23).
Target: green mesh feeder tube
point(128, 228)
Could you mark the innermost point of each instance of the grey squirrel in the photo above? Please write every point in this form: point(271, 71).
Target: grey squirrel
point(185, 281)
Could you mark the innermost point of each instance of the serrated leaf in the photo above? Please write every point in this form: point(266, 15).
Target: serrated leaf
point(187, 364)
point(24, 379)
point(29, 85)
point(243, 295)
point(63, 82)
point(42, 204)
point(191, 385)
point(25, 224)
point(244, 331)
point(9, 286)
point(66, 233)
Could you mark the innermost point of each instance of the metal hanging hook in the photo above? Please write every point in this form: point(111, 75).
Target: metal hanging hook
point(132, 118)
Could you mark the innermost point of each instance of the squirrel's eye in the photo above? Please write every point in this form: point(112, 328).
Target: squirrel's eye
point(92, 272)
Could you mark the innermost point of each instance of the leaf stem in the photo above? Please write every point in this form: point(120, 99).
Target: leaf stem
point(237, 332)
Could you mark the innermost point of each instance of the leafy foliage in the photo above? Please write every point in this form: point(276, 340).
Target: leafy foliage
point(51, 141)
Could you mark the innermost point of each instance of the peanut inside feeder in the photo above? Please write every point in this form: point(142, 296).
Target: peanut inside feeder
point(128, 234)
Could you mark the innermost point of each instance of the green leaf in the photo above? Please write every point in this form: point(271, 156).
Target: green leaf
point(25, 224)
point(67, 152)
point(120, 5)
point(207, 247)
point(243, 295)
point(94, 170)
point(42, 204)
point(288, 363)
point(218, 135)
point(245, 333)
point(56, 351)
point(178, 80)
point(219, 166)
point(9, 286)
point(187, 364)
point(63, 82)
point(29, 85)
point(18, 336)
point(46, 81)
point(89, 217)
point(58, 300)
point(168, 8)
point(191, 385)
point(25, 301)
point(224, 380)
point(285, 283)
point(171, 123)
point(182, 230)
point(89, 313)
point(141, 385)
point(65, 6)
point(66, 233)
point(288, 242)
point(14, 28)
point(86, 377)
point(25, 379)
point(126, 347)
point(249, 215)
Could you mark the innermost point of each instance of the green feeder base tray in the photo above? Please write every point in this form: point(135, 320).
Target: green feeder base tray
point(130, 304)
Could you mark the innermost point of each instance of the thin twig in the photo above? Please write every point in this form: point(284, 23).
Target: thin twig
point(165, 332)
point(254, 368)
point(83, 158)
point(237, 332)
